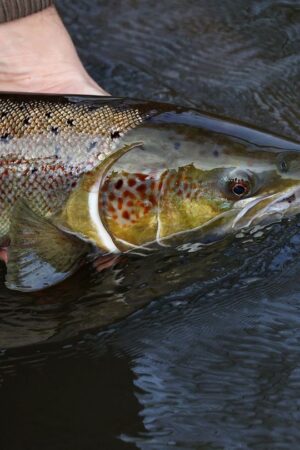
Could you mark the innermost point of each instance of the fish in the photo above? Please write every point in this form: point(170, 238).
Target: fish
point(86, 174)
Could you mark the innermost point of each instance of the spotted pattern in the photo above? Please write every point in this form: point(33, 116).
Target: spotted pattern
point(129, 197)
point(46, 146)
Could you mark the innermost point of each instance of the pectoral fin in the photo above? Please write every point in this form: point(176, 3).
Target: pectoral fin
point(40, 254)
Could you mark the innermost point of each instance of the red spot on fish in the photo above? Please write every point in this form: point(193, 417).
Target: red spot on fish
point(130, 203)
point(131, 182)
point(128, 194)
point(111, 196)
point(115, 217)
point(188, 195)
point(152, 185)
point(120, 203)
point(141, 188)
point(105, 187)
point(126, 215)
point(179, 192)
point(152, 199)
point(119, 184)
point(141, 176)
point(185, 186)
point(111, 209)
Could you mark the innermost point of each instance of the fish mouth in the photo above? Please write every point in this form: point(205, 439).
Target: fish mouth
point(267, 209)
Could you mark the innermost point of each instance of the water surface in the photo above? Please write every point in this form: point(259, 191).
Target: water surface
point(197, 350)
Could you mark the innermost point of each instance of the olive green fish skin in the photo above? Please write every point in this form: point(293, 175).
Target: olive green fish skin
point(47, 143)
point(120, 174)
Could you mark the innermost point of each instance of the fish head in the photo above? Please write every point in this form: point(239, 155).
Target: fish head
point(195, 172)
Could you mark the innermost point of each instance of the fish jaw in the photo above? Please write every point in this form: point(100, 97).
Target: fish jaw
point(267, 209)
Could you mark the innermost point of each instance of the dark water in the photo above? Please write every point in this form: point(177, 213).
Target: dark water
point(207, 354)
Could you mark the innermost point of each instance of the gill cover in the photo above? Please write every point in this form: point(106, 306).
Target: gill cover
point(42, 253)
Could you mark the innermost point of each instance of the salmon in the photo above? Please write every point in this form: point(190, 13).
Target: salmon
point(80, 174)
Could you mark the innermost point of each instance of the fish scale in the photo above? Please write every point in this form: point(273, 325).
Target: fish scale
point(46, 146)
point(80, 174)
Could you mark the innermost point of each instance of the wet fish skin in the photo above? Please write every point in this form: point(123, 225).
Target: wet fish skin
point(47, 143)
point(63, 158)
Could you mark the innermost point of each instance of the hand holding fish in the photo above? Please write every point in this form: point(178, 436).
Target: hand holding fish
point(47, 64)
point(37, 55)
point(85, 174)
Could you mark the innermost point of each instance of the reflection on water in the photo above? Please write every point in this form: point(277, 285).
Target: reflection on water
point(210, 356)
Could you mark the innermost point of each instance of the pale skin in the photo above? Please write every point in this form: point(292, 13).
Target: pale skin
point(38, 55)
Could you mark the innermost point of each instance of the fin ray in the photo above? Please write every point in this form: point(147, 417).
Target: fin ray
point(40, 254)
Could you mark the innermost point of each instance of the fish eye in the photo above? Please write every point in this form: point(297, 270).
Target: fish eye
point(239, 187)
point(239, 184)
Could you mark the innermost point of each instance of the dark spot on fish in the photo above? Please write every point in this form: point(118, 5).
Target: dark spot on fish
point(177, 145)
point(115, 134)
point(119, 184)
point(54, 130)
point(91, 145)
point(6, 137)
point(216, 153)
point(70, 122)
point(126, 215)
point(34, 170)
point(48, 114)
point(92, 108)
point(26, 121)
point(73, 184)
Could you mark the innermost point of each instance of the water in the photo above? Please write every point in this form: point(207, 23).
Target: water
point(192, 351)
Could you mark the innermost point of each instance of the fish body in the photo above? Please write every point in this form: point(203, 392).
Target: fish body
point(80, 172)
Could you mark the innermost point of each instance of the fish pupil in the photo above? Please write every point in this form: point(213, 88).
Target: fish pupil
point(239, 189)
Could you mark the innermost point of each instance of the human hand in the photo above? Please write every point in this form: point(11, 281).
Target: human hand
point(37, 55)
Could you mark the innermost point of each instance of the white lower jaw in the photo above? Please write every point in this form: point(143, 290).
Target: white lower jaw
point(277, 207)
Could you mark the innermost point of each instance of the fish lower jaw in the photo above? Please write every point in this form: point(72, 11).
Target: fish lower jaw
point(268, 209)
